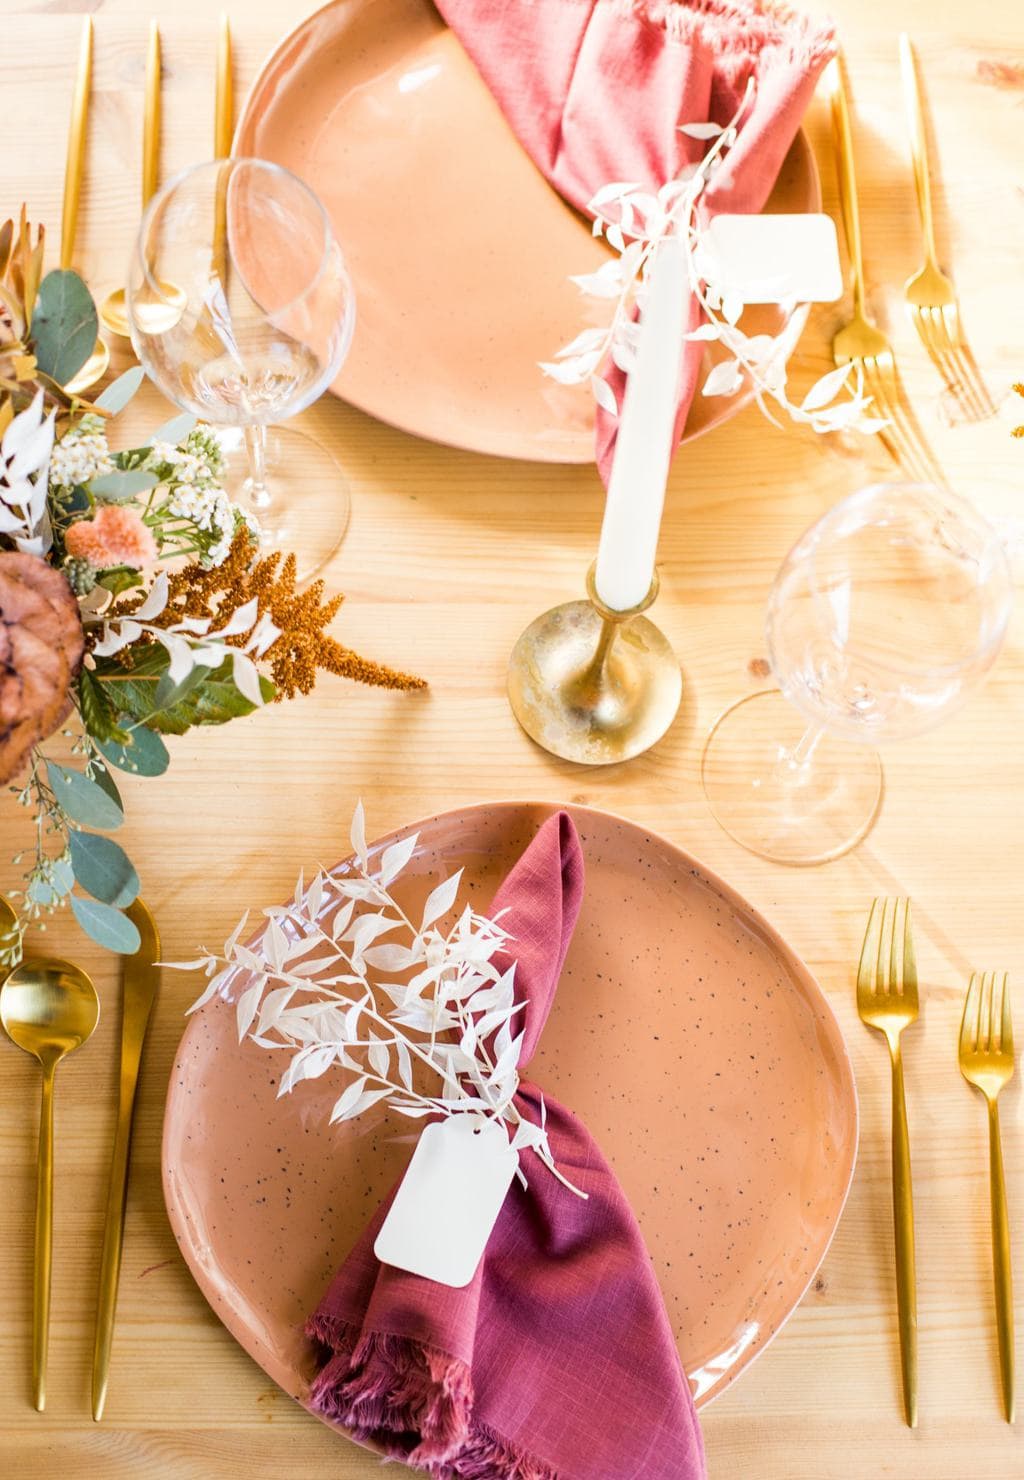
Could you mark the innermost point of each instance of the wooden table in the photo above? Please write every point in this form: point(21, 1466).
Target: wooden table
point(448, 556)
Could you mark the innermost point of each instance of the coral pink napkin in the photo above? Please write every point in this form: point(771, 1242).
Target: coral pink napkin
point(557, 1362)
point(596, 90)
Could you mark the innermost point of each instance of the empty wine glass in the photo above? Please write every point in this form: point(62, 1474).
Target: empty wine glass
point(882, 618)
point(255, 328)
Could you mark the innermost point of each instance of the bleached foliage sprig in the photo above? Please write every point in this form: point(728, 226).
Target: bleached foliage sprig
point(634, 222)
point(414, 1013)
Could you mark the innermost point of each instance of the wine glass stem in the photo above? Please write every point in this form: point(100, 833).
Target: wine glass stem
point(803, 750)
point(256, 451)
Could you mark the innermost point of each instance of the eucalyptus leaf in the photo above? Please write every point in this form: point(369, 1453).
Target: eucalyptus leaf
point(175, 430)
point(86, 802)
point(144, 754)
point(120, 391)
point(105, 781)
point(107, 926)
point(64, 325)
point(117, 486)
point(103, 868)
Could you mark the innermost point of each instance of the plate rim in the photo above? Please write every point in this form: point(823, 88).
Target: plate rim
point(576, 458)
point(796, 966)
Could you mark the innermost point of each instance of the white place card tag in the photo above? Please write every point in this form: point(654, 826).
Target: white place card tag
point(449, 1199)
point(769, 259)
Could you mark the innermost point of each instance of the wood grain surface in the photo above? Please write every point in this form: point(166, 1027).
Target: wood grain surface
point(448, 557)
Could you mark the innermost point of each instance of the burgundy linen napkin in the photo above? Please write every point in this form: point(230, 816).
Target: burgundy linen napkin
point(557, 1361)
point(595, 90)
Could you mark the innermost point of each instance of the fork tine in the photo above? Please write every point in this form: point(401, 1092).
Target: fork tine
point(985, 1012)
point(885, 946)
point(869, 950)
point(909, 975)
point(1006, 1026)
point(939, 330)
point(899, 437)
point(969, 1022)
point(995, 1015)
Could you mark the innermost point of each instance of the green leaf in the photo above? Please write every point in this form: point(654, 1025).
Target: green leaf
point(51, 891)
point(87, 802)
point(98, 712)
point(64, 325)
point(107, 926)
point(116, 487)
point(120, 391)
point(175, 430)
point(119, 578)
point(213, 701)
point(144, 754)
point(103, 868)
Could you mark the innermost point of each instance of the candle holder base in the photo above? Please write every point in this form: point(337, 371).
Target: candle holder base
point(594, 686)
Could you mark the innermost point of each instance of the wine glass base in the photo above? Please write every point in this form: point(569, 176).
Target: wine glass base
point(790, 811)
point(309, 506)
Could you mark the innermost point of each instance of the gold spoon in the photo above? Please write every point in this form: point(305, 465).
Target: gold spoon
point(95, 366)
point(49, 1008)
point(114, 309)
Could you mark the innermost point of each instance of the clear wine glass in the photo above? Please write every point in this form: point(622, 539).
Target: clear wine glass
point(242, 310)
point(881, 620)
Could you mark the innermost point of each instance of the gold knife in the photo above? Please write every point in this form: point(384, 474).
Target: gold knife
point(140, 979)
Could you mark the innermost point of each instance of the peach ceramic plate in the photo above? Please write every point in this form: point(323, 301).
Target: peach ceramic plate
point(695, 1045)
point(459, 249)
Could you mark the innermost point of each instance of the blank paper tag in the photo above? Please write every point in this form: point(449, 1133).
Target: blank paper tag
point(449, 1200)
point(769, 259)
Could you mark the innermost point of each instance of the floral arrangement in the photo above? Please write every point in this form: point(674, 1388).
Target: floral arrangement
point(426, 1004)
point(634, 222)
point(134, 601)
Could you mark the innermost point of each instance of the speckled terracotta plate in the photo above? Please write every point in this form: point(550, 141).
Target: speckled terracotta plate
point(696, 1046)
point(459, 249)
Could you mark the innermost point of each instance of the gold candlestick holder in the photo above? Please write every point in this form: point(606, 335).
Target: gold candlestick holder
point(594, 685)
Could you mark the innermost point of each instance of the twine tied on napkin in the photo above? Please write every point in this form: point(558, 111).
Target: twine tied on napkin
point(557, 1361)
point(596, 90)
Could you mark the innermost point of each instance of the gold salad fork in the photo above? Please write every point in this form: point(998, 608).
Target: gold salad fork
point(986, 1061)
point(861, 341)
point(887, 1000)
point(930, 294)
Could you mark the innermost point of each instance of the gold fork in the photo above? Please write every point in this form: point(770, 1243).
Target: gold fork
point(986, 1061)
point(861, 341)
point(887, 1000)
point(930, 294)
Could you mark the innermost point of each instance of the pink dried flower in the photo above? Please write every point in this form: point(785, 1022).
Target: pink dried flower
point(113, 536)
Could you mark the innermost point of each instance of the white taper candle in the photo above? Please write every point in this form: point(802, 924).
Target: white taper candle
point(643, 448)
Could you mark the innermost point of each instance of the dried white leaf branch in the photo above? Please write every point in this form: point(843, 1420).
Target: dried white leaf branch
point(416, 1014)
point(634, 222)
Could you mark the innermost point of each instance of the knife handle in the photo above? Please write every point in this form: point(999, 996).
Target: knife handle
point(113, 1243)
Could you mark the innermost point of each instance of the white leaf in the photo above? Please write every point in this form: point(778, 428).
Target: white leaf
point(379, 1057)
point(315, 897)
point(155, 601)
point(366, 930)
point(395, 858)
point(827, 388)
point(352, 1017)
point(724, 379)
point(589, 339)
point(242, 620)
point(701, 130)
point(606, 282)
point(404, 1059)
point(390, 957)
point(235, 936)
point(247, 678)
point(342, 915)
point(366, 1099)
point(613, 191)
point(440, 900)
point(604, 395)
point(732, 306)
point(414, 1112)
point(349, 1099)
point(570, 372)
point(705, 331)
point(358, 833)
point(246, 1008)
point(273, 1005)
point(615, 236)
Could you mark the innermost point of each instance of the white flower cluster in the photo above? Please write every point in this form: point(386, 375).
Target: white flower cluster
point(210, 510)
point(82, 454)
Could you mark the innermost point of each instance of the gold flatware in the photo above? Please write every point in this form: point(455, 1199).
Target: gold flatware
point(986, 1061)
point(861, 341)
point(224, 107)
point(48, 1008)
point(113, 309)
point(95, 366)
point(8, 932)
point(930, 294)
point(887, 1001)
point(140, 977)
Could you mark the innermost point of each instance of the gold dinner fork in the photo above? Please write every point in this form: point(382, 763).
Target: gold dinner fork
point(986, 1061)
point(930, 294)
point(861, 341)
point(887, 1000)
